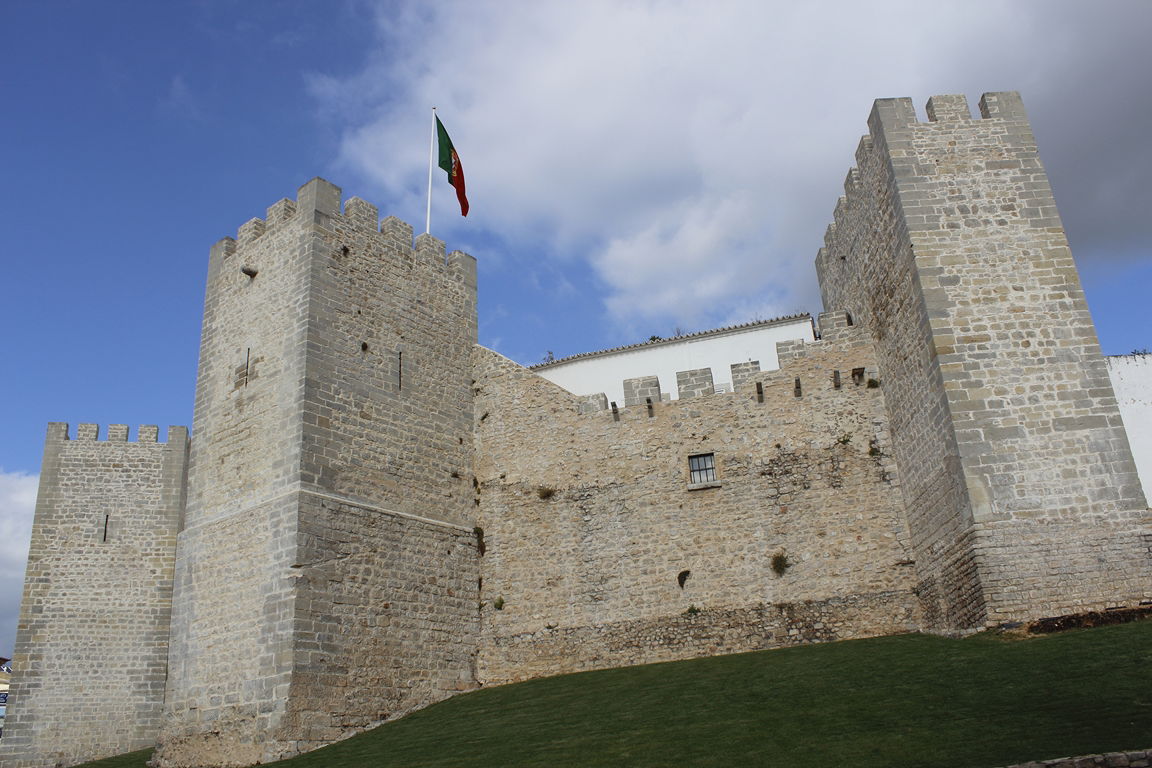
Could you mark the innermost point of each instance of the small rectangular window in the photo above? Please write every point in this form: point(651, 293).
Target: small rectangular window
point(702, 468)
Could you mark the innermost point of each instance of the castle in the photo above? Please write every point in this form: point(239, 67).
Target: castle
point(374, 513)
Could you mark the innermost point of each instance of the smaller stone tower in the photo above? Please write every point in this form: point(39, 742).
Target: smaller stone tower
point(92, 643)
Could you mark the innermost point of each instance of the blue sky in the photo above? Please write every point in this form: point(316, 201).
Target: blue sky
point(633, 167)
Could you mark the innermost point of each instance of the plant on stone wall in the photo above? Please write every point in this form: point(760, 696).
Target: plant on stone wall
point(873, 383)
point(845, 438)
point(545, 492)
point(498, 603)
point(780, 563)
point(691, 611)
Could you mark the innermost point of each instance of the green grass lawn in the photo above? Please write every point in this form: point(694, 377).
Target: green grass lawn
point(913, 700)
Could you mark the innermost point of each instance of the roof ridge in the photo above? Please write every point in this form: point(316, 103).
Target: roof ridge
point(681, 337)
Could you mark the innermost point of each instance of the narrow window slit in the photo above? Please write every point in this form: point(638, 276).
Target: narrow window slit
point(106, 527)
point(796, 388)
point(400, 371)
point(836, 379)
point(759, 391)
point(648, 401)
point(615, 412)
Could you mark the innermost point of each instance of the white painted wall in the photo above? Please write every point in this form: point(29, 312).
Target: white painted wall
point(606, 372)
point(1132, 381)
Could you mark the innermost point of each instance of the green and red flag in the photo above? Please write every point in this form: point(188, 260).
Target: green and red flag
point(450, 162)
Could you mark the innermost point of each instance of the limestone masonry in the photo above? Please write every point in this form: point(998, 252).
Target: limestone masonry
point(375, 513)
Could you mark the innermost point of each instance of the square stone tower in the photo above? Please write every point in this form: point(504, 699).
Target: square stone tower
point(92, 642)
point(326, 575)
point(1021, 493)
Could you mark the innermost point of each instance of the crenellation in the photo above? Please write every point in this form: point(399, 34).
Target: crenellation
point(640, 389)
point(318, 201)
point(695, 383)
point(399, 232)
point(1005, 105)
point(852, 183)
point(250, 231)
point(952, 108)
point(361, 213)
point(87, 431)
point(431, 249)
point(280, 211)
point(744, 375)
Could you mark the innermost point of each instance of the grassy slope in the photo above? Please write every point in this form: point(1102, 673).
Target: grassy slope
point(904, 701)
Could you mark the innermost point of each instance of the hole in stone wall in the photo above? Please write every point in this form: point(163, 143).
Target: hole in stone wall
point(344, 250)
point(615, 412)
point(857, 376)
point(648, 401)
point(836, 379)
point(759, 391)
point(480, 549)
point(796, 388)
point(682, 577)
point(363, 346)
point(848, 317)
point(248, 271)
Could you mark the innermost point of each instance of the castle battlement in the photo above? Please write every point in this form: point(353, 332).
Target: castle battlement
point(116, 433)
point(324, 200)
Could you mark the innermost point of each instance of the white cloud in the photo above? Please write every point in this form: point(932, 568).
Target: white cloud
point(689, 153)
point(17, 501)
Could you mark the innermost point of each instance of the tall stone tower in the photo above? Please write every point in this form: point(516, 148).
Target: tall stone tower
point(1022, 496)
point(92, 642)
point(326, 575)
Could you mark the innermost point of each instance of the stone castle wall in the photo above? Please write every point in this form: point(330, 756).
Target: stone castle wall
point(327, 575)
point(92, 642)
point(380, 513)
point(1022, 494)
point(600, 552)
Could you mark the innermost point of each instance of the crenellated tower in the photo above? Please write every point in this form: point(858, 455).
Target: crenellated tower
point(92, 642)
point(327, 572)
point(1022, 496)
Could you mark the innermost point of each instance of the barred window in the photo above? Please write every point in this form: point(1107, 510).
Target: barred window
point(702, 468)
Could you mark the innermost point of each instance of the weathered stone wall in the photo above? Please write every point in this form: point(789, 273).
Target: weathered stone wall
point(597, 552)
point(1022, 495)
point(329, 483)
point(92, 643)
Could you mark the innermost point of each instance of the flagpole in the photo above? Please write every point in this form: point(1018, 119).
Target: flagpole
point(431, 160)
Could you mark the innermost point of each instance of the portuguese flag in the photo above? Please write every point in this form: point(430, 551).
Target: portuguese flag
point(450, 162)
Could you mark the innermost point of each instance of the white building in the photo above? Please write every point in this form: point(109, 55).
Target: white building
point(594, 372)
